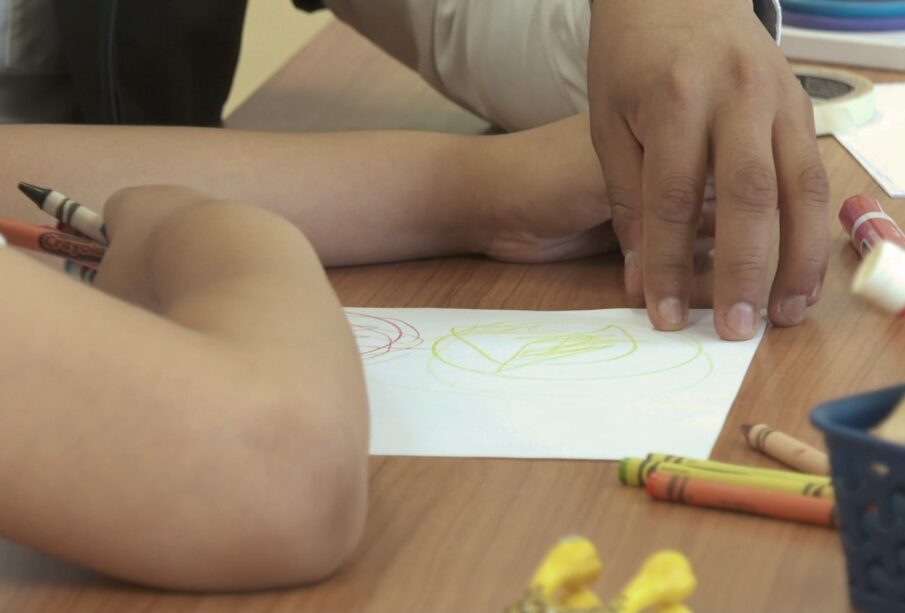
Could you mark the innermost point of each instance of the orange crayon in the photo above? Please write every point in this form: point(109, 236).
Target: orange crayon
point(783, 448)
point(46, 239)
point(757, 501)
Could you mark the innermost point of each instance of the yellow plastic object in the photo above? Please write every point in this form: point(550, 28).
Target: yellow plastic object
point(561, 582)
point(564, 577)
point(672, 608)
point(665, 580)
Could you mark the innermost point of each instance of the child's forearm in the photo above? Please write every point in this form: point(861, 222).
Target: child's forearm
point(173, 452)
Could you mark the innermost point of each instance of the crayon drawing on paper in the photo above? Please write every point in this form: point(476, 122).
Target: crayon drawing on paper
point(571, 384)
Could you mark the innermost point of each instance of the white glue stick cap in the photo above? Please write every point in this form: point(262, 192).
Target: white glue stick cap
point(880, 279)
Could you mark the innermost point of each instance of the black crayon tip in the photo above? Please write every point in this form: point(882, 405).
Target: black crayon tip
point(35, 194)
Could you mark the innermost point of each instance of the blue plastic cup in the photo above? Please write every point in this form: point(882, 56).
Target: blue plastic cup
point(869, 479)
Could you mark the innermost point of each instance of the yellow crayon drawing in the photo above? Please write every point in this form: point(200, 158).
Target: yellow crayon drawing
point(547, 357)
point(555, 350)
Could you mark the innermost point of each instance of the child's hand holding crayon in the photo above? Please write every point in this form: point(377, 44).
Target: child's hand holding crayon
point(144, 225)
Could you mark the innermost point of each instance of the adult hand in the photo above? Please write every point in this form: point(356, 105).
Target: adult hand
point(677, 89)
point(544, 195)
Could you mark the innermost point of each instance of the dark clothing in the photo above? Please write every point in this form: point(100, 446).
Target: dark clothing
point(309, 5)
point(165, 62)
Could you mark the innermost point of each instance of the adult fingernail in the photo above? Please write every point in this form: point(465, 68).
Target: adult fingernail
point(793, 308)
point(671, 312)
point(740, 319)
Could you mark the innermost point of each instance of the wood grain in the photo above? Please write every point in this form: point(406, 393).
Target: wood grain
point(454, 535)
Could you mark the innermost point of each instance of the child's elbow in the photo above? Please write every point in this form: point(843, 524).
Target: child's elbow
point(314, 525)
point(292, 550)
point(299, 509)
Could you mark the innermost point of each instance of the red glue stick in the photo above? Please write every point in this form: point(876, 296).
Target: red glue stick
point(867, 224)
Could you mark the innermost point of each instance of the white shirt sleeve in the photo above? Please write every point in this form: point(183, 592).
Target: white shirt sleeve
point(517, 63)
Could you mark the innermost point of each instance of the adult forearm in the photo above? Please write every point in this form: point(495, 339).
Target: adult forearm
point(358, 197)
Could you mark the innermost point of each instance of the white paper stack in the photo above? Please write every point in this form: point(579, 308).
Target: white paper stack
point(866, 49)
point(878, 146)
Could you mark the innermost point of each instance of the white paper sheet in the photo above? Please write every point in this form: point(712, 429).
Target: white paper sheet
point(878, 146)
point(545, 384)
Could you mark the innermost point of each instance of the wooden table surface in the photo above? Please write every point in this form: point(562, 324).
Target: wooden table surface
point(463, 535)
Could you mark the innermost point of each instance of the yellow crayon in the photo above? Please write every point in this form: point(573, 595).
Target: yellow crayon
point(636, 472)
point(739, 468)
point(817, 490)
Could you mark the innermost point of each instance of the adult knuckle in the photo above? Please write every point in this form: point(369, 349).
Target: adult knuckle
point(814, 258)
point(746, 76)
point(814, 186)
point(746, 264)
point(752, 187)
point(678, 202)
point(618, 193)
point(673, 267)
point(681, 90)
point(621, 200)
point(625, 212)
